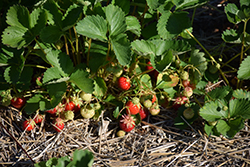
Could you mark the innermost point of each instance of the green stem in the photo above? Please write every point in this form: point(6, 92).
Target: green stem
point(193, 16)
point(37, 66)
point(210, 56)
point(40, 46)
point(107, 55)
point(66, 45)
point(90, 40)
point(72, 46)
point(239, 83)
point(77, 47)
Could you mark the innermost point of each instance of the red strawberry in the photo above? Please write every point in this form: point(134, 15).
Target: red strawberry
point(132, 107)
point(154, 98)
point(77, 108)
point(179, 101)
point(52, 111)
point(39, 118)
point(28, 124)
point(124, 83)
point(69, 106)
point(143, 113)
point(18, 102)
point(127, 123)
point(185, 83)
point(58, 124)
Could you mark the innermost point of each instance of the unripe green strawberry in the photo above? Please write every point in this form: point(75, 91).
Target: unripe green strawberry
point(97, 106)
point(224, 108)
point(212, 123)
point(86, 96)
point(147, 103)
point(87, 112)
point(154, 110)
point(188, 113)
point(68, 115)
point(184, 75)
point(121, 133)
point(118, 71)
point(188, 91)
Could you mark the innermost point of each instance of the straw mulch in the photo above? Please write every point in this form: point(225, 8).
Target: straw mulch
point(155, 142)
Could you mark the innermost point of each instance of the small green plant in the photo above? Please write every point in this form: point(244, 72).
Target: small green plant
point(225, 111)
point(83, 158)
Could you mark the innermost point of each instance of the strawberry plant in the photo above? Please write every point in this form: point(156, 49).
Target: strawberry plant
point(79, 158)
point(223, 114)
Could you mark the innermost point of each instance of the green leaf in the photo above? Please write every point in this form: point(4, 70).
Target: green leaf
point(56, 92)
point(235, 126)
point(116, 112)
point(153, 4)
point(244, 70)
point(145, 81)
point(231, 36)
point(218, 93)
point(51, 74)
point(54, 13)
point(16, 37)
point(94, 27)
point(143, 48)
point(51, 34)
point(133, 25)
point(208, 129)
point(187, 4)
point(71, 16)
point(117, 24)
point(170, 91)
point(63, 161)
point(239, 107)
point(124, 5)
point(166, 80)
point(231, 11)
point(241, 94)
point(38, 20)
point(81, 79)
point(171, 25)
point(52, 162)
point(199, 61)
point(163, 62)
point(213, 111)
point(25, 78)
point(222, 127)
point(33, 104)
point(121, 47)
point(100, 87)
point(18, 16)
point(82, 158)
point(61, 61)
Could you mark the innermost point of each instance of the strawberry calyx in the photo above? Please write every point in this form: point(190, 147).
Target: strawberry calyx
point(127, 123)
